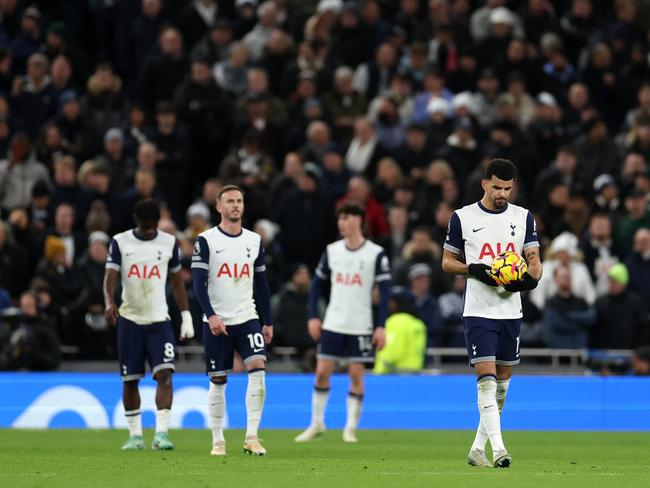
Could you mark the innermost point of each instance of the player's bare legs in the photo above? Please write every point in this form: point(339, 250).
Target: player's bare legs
point(217, 413)
point(355, 398)
point(489, 410)
point(255, 394)
point(164, 396)
point(131, 402)
point(319, 399)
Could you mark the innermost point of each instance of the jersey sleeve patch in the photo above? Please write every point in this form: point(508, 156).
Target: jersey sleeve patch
point(260, 261)
point(114, 258)
point(323, 268)
point(382, 267)
point(175, 260)
point(201, 255)
point(531, 232)
point(454, 239)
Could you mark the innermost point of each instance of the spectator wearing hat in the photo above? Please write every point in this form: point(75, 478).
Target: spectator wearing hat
point(389, 124)
point(567, 318)
point(493, 11)
point(75, 132)
point(30, 39)
point(637, 217)
point(606, 197)
point(638, 264)
point(96, 340)
point(122, 166)
point(19, 173)
point(33, 100)
point(163, 71)
point(622, 317)
point(465, 76)
point(214, 45)
point(545, 129)
point(195, 20)
point(419, 277)
point(343, 104)
point(198, 220)
point(494, 47)
point(461, 149)
point(259, 36)
point(438, 124)
point(486, 97)
point(306, 218)
point(406, 337)
point(335, 175)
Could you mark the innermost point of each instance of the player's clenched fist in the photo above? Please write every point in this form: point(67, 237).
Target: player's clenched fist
point(314, 327)
point(217, 325)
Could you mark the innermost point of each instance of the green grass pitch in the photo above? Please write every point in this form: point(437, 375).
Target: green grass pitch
point(403, 459)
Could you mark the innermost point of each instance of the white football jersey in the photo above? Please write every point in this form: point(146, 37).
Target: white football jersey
point(231, 262)
point(352, 274)
point(143, 266)
point(480, 235)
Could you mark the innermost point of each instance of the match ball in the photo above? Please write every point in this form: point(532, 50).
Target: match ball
point(508, 267)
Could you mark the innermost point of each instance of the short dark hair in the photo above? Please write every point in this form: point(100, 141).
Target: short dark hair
point(503, 169)
point(351, 209)
point(228, 188)
point(147, 210)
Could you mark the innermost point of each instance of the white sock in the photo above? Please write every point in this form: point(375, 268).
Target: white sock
point(134, 421)
point(319, 400)
point(481, 435)
point(489, 411)
point(255, 393)
point(217, 410)
point(162, 420)
point(353, 405)
point(502, 391)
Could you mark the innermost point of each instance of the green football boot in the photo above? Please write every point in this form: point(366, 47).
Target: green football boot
point(161, 442)
point(134, 443)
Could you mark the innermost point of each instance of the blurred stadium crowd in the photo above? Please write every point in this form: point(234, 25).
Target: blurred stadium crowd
point(396, 104)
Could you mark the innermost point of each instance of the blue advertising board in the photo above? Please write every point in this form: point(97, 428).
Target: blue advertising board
point(93, 400)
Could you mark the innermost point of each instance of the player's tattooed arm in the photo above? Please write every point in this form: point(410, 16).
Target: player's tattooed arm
point(534, 262)
point(451, 263)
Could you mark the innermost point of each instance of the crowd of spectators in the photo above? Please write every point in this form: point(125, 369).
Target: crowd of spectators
point(397, 105)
